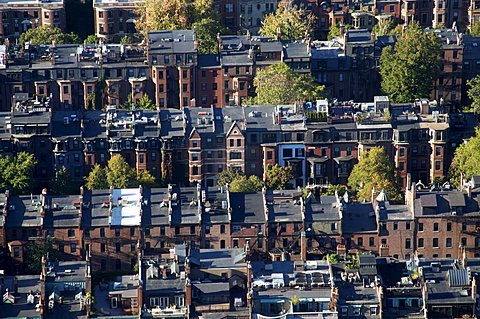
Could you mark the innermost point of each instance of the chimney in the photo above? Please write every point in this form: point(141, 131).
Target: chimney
point(303, 245)
point(195, 44)
point(372, 200)
point(188, 293)
point(384, 250)
point(279, 34)
point(342, 31)
point(464, 257)
point(220, 43)
point(249, 35)
point(5, 207)
point(373, 36)
point(52, 60)
point(88, 281)
point(469, 191)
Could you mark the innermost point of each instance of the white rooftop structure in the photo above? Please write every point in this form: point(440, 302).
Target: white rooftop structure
point(126, 207)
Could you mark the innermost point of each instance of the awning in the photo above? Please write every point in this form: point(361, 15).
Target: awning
point(26, 22)
point(343, 159)
point(272, 300)
point(130, 21)
point(317, 159)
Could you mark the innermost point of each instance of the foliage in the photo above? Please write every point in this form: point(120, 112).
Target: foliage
point(17, 175)
point(466, 161)
point(295, 300)
point(293, 23)
point(97, 179)
point(228, 176)
point(145, 103)
point(316, 117)
point(278, 177)
point(119, 173)
point(475, 29)
point(145, 179)
point(46, 34)
point(333, 258)
point(335, 30)
point(340, 189)
point(280, 85)
point(244, 184)
point(35, 252)
point(97, 97)
point(91, 39)
point(128, 103)
point(182, 15)
point(408, 71)
point(62, 183)
point(384, 27)
point(374, 170)
point(474, 92)
point(126, 39)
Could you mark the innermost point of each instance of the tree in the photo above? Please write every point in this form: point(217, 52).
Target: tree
point(97, 179)
point(119, 173)
point(292, 22)
point(46, 34)
point(246, 184)
point(408, 71)
point(466, 162)
point(474, 93)
point(91, 39)
point(182, 15)
point(145, 179)
point(475, 29)
point(145, 103)
point(280, 85)
point(228, 176)
point(278, 177)
point(384, 26)
point(126, 39)
point(374, 170)
point(17, 175)
point(35, 252)
point(62, 183)
point(335, 30)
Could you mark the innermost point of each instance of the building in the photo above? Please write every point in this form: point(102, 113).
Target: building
point(114, 19)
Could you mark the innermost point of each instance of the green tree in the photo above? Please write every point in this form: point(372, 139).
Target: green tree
point(408, 71)
point(228, 176)
point(46, 34)
point(280, 85)
point(119, 173)
point(466, 162)
point(35, 252)
point(97, 179)
point(374, 170)
point(335, 30)
point(182, 15)
point(340, 189)
point(145, 103)
point(62, 183)
point(278, 177)
point(474, 93)
point(246, 184)
point(91, 39)
point(126, 39)
point(384, 27)
point(293, 23)
point(17, 175)
point(475, 29)
point(145, 179)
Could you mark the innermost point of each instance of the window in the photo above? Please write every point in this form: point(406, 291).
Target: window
point(464, 226)
point(102, 232)
point(117, 232)
point(222, 229)
point(464, 241)
point(235, 155)
point(435, 226)
point(117, 247)
point(229, 8)
point(177, 230)
point(333, 226)
point(420, 226)
point(360, 241)
point(408, 243)
point(133, 246)
point(371, 241)
point(421, 243)
point(147, 231)
point(435, 243)
point(407, 225)
point(448, 242)
point(395, 225)
point(73, 248)
point(71, 233)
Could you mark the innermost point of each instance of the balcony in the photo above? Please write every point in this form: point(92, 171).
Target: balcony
point(165, 313)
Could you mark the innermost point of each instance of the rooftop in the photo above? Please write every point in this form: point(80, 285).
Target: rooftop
point(126, 207)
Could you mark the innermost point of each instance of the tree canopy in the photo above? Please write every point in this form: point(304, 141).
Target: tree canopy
point(119, 175)
point(280, 85)
point(17, 175)
point(182, 15)
point(246, 184)
point(385, 26)
point(292, 22)
point(278, 177)
point(46, 34)
point(374, 170)
point(466, 162)
point(474, 93)
point(335, 30)
point(35, 252)
point(475, 29)
point(228, 176)
point(62, 183)
point(408, 70)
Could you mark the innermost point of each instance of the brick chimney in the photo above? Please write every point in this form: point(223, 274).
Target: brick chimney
point(303, 245)
point(384, 250)
point(188, 292)
point(279, 34)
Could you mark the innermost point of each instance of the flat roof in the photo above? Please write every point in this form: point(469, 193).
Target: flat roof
point(126, 207)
